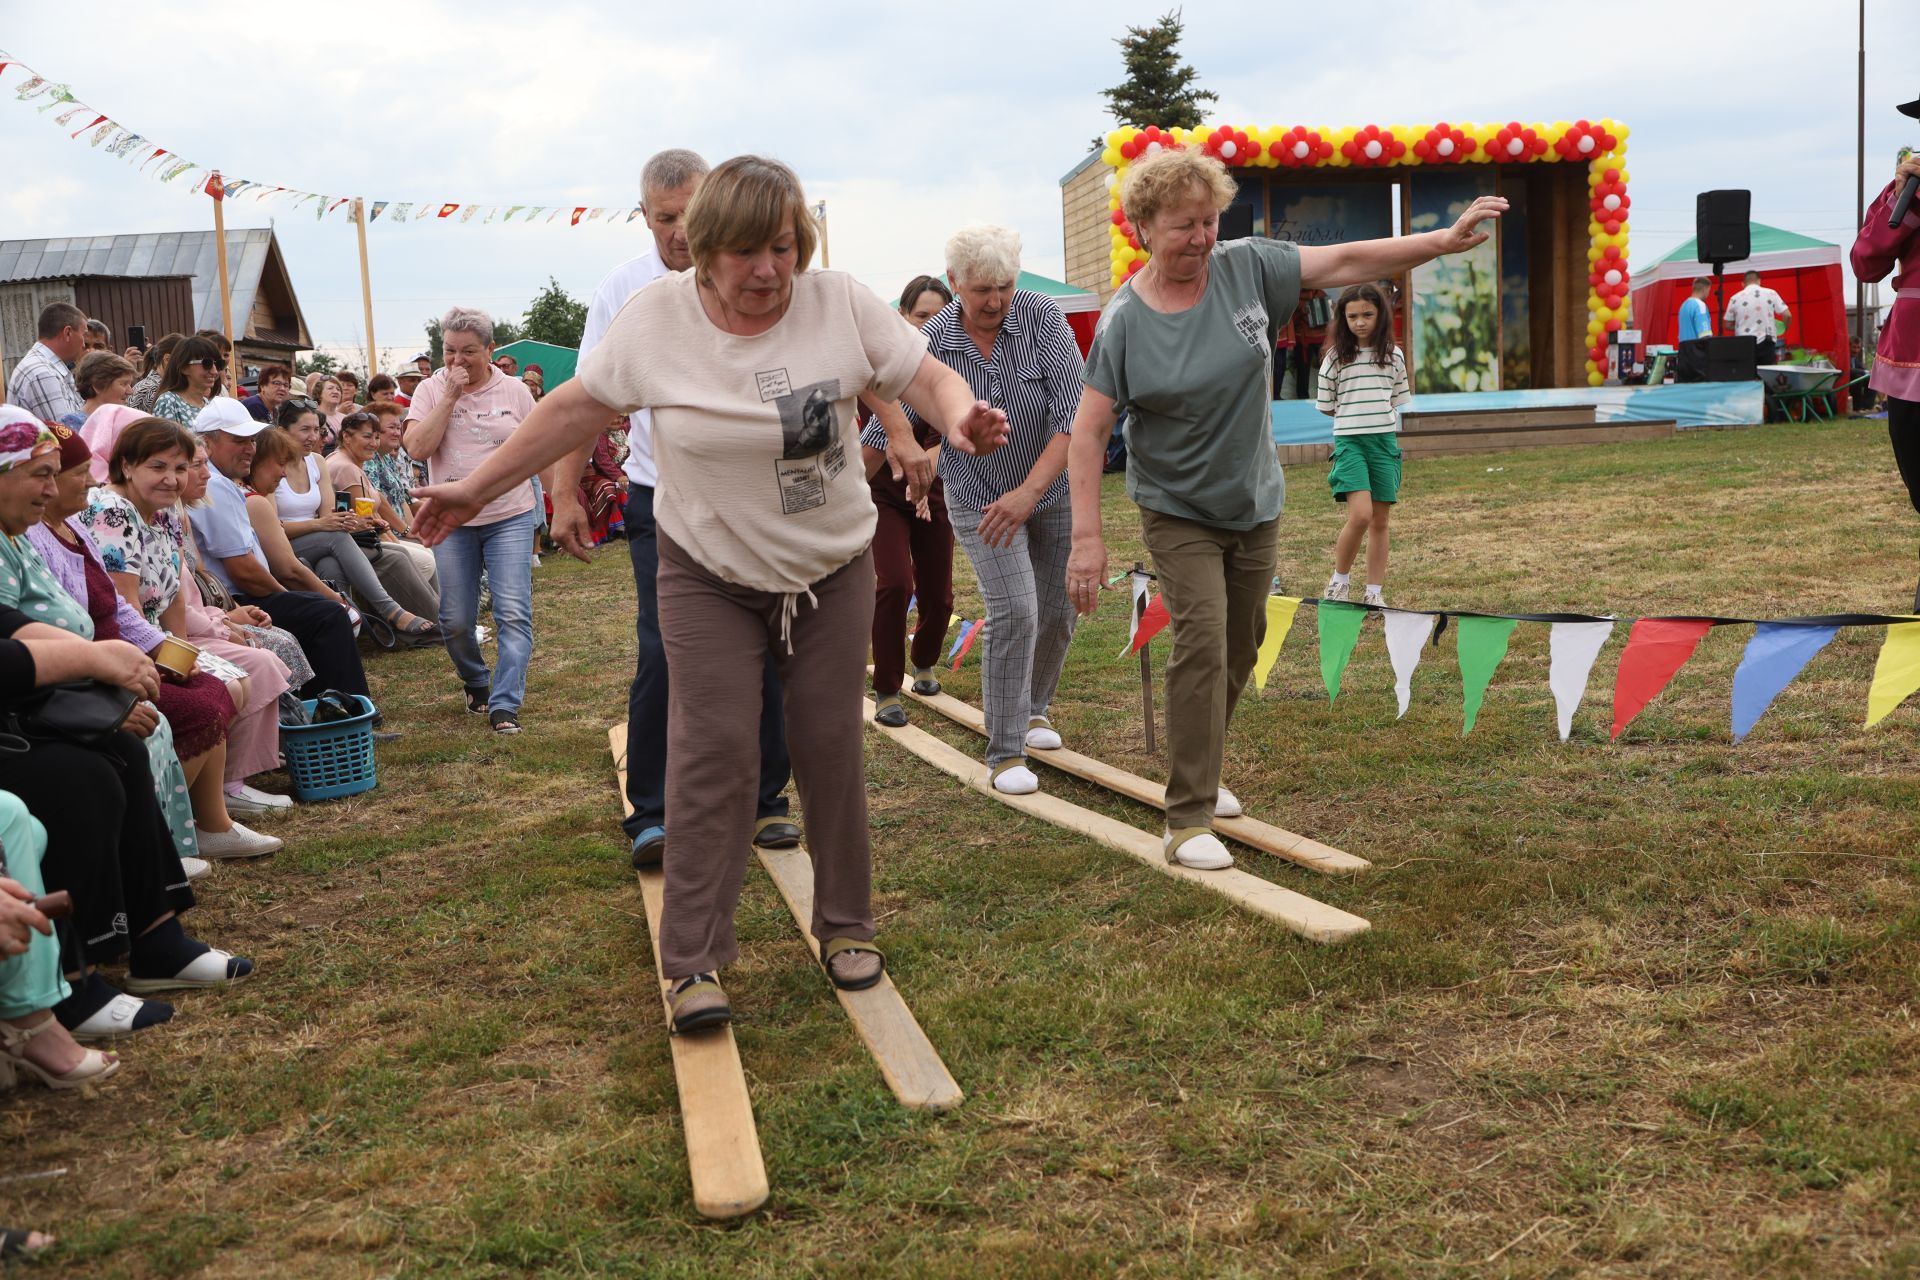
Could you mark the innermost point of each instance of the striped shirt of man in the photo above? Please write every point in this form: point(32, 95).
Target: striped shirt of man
point(1363, 396)
point(1034, 377)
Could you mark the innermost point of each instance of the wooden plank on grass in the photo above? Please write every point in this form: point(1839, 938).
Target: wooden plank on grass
point(1263, 836)
point(1303, 915)
point(907, 1060)
point(723, 1146)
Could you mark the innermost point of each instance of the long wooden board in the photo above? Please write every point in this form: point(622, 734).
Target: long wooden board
point(723, 1146)
point(907, 1060)
point(1303, 915)
point(1263, 836)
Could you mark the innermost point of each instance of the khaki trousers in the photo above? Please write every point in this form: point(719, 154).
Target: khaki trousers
point(1215, 584)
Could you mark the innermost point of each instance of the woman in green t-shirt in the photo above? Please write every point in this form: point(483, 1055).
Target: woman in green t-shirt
point(1186, 346)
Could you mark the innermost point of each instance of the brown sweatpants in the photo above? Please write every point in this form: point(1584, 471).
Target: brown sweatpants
point(1215, 582)
point(717, 636)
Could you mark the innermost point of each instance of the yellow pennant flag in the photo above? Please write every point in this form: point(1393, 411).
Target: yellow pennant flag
point(1280, 611)
point(1897, 673)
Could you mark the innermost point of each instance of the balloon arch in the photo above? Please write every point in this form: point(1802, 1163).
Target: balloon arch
point(1600, 145)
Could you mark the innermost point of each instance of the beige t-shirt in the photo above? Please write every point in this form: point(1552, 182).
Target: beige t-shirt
point(755, 438)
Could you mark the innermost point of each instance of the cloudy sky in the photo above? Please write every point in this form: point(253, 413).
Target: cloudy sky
point(909, 120)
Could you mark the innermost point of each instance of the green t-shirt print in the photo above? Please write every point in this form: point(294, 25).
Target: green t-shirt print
point(1197, 385)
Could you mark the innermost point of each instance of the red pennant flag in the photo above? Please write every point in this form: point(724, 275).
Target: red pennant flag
point(96, 120)
point(576, 215)
point(1152, 620)
point(966, 644)
point(1656, 650)
point(446, 210)
point(216, 188)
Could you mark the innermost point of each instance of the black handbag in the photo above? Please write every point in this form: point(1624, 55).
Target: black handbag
point(80, 711)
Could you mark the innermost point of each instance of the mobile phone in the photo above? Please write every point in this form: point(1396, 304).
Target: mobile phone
point(137, 336)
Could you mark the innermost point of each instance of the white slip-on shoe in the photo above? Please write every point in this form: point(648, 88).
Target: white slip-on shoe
point(1041, 735)
point(1013, 778)
point(115, 1019)
point(1226, 805)
point(211, 968)
point(239, 842)
point(1196, 847)
point(251, 801)
point(196, 868)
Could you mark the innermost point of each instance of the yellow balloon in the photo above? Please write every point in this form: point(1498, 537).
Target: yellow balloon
point(1596, 380)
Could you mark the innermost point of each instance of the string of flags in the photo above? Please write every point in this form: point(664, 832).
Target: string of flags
point(1657, 648)
point(121, 141)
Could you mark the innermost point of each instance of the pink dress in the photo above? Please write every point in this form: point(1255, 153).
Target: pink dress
point(1881, 249)
point(253, 739)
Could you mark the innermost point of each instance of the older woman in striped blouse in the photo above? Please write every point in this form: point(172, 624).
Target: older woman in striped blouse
point(1010, 509)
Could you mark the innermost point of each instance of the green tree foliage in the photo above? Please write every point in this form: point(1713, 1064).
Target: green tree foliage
point(318, 362)
point(1159, 88)
point(555, 316)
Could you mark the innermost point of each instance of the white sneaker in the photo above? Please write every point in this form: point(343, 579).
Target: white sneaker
point(536, 559)
point(216, 846)
point(1041, 735)
point(1226, 804)
point(1201, 851)
point(249, 802)
point(1374, 597)
point(196, 868)
point(1335, 589)
point(1015, 780)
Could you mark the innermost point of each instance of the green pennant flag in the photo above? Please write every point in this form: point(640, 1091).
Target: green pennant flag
point(1482, 643)
point(1339, 632)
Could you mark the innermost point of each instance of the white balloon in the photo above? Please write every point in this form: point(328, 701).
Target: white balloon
point(1446, 147)
point(1301, 151)
point(1586, 143)
point(1111, 179)
point(1152, 147)
point(1228, 151)
point(1515, 147)
point(1373, 150)
point(1610, 203)
point(1612, 277)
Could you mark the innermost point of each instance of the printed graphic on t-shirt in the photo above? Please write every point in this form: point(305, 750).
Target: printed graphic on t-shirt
point(773, 384)
point(812, 452)
point(1251, 321)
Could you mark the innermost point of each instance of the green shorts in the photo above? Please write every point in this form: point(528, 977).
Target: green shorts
point(1369, 463)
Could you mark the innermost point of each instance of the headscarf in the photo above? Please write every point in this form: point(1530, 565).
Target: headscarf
point(102, 432)
point(73, 448)
point(22, 437)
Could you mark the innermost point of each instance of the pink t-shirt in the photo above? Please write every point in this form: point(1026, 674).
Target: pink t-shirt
point(482, 420)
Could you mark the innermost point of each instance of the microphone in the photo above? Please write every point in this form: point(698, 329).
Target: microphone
point(1904, 200)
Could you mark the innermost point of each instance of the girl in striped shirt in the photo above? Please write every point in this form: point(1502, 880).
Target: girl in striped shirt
point(1363, 383)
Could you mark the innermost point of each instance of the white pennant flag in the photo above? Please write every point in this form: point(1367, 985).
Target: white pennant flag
point(1407, 635)
point(1140, 584)
point(1574, 646)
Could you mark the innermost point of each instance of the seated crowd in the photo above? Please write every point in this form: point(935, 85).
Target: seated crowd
point(139, 501)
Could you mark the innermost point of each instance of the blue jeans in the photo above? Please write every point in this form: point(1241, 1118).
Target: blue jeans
point(647, 699)
point(505, 550)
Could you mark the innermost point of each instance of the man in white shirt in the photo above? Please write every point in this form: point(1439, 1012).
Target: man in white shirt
point(667, 184)
point(1751, 313)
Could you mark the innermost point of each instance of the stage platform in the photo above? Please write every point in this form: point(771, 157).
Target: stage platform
point(1694, 404)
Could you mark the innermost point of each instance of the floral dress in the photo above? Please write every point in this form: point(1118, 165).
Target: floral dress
point(174, 408)
point(27, 584)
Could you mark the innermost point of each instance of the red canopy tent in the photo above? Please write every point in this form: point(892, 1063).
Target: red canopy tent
point(1805, 273)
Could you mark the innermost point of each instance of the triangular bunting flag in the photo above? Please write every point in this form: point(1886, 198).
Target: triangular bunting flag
point(337, 203)
point(1896, 673)
point(1152, 622)
point(1280, 615)
point(466, 214)
point(594, 213)
point(101, 134)
point(1339, 633)
point(1775, 657)
point(215, 187)
point(575, 220)
point(969, 632)
point(401, 210)
point(1407, 635)
point(96, 120)
point(1575, 646)
point(535, 212)
point(959, 640)
point(379, 207)
point(633, 213)
point(1656, 649)
point(447, 210)
point(1137, 588)
point(1482, 643)
point(426, 211)
point(508, 215)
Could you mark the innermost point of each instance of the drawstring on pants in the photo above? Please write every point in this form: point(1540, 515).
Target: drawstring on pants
point(789, 606)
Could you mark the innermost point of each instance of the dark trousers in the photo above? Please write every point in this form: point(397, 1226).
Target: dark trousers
point(912, 563)
point(647, 698)
point(107, 842)
point(324, 632)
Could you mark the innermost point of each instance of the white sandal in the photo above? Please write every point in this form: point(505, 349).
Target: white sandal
point(111, 1021)
point(211, 968)
point(94, 1065)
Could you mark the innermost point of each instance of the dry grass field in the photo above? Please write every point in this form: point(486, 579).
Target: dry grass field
point(1642, 1008)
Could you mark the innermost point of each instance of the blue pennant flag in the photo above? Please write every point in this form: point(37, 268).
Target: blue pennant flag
point(1776, 655)
point(966, 629)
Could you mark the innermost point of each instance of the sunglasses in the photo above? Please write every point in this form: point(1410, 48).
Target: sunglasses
point(210, 365)
point(356, 420)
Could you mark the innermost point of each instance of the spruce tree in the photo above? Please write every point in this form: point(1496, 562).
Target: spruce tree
point(1159, 88)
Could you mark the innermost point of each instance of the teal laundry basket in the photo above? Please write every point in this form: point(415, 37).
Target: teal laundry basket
point(327, 761)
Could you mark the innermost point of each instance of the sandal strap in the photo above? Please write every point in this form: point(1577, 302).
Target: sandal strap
point(1011, 762)
point(688, 987)
point(1181, 835)
point(842, 946)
